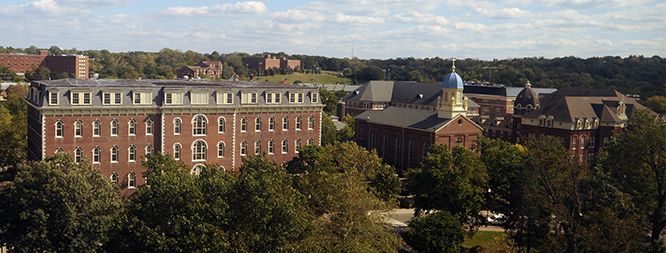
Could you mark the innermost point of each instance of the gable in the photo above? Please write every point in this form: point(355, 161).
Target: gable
point(459, 125)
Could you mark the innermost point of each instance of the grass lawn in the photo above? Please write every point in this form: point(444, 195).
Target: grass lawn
point(485, 239)
point(305, 78)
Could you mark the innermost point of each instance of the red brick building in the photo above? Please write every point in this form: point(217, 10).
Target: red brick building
point(205, 69)
point(270, 62)
point(114, 124)
point(584, 120)
point(75, 66)
point(406, 119)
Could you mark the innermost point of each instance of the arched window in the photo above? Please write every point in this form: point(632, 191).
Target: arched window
point(131, 153)
point(271, 147)
point(114, 178)
point(199, 123)
point(310, 141)
point(78, 155)
point(78, 128)
point(221, 122)
point(582, 142)
point(114, 127)
point(257, 124)
point(297, 146)
point(243, 125)
point(271, 124)
point(131, 127)
point(96, 128)
point(177, 126)
point(311, 122)
point(114, 154)
point(199, 148)
point(298, 122)
point(177, 151)
point(243, 148)
point(96, 153)
point(257, 147)
point(149, 150)
point(220, 149)
point(196, 169)
point(285, 146)
point(285, 124)
point(58, 129)
point(149, 127)
point(131, 180)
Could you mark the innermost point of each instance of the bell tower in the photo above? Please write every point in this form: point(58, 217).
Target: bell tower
point(452, 102)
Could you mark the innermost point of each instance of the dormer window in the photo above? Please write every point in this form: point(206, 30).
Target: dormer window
point(112, 98)
point(225, 98)
point(199, 98)
point(142, 98)
point(173, 98)
point(314, 98)
point(53, 97)
point(249, 97)
point(579, 124)
point(80, 98)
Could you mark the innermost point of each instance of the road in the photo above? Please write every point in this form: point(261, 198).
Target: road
point(402, 216)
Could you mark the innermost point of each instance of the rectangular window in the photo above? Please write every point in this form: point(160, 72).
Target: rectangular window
point(142, 98)
point(225, 98)
point(118, 98)
point(292, 97)
point(248, 98)
point(198, 98)
point(295, 97)
point(149, 128)
point(173, 98)
point(314, 98)
point(300, 97)
point(272, 98)
point(53, 98)
point(106, 98)
point(86, 98)
point(75, 98)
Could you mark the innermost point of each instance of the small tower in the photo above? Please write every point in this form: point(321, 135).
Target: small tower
point(452, 102)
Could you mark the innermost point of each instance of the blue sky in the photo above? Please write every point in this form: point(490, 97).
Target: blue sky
point(375, 29)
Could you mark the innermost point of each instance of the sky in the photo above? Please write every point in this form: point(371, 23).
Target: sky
point(341, 28)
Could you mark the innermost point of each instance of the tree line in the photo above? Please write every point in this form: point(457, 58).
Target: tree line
point(638, 75)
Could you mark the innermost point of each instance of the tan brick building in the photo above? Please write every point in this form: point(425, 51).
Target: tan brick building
point(270, 62)
point(114, 124)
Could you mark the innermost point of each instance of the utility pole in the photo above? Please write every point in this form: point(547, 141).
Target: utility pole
point(490, 71)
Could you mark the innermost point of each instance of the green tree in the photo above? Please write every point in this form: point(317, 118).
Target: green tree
point(57, 205)
point(347, 133)
point(267, 213)
point(503, 162)
point(350, 216)
point(437, 232)
point(178, 212)
point(329, 133)
point(7, 75)
point(13, 128)
point(637, 163)
point(453, 181)
point(348, 157)
point(657, 104)
point(40, 73)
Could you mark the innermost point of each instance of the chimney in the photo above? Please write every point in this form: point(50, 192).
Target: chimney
point(341, 110)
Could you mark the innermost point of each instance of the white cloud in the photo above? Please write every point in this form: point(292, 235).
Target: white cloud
point(420, 18)
point(249, 7)
point(342, 18)
point(298, 16)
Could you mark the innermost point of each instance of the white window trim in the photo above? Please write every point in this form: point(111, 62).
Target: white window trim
point(129, 176)
point(111, 127)
point(224, 120)
point(240, 150)
point(111, 154)
point(218, 149)
point(98, 128)
point(205, 153)
point(129, 154)
point(99, 155)
point(180, 151)
point(282, 149)
point(180, 128)
point(80, 129)
point(129, 126)
point(205, 127)
point(57, 102)
point(271, 129)
point(314, 97)
point(152, 127)
point(257, 121)
point(62, 129)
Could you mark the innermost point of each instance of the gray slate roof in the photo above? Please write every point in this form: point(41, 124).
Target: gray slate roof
point(149, 83)
point(404, 118)
point(572, 103)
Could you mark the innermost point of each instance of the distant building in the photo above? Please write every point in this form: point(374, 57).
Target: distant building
point(114, 124)
point(74, 65)
point(584, 120)
point(269, 62)
point(205, 69)
point(401, 120)
point(497, 100)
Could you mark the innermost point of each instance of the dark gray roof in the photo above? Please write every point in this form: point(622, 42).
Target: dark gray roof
point(404, 118)
point(572, 103)
point(163, 83)
point(501, 90)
